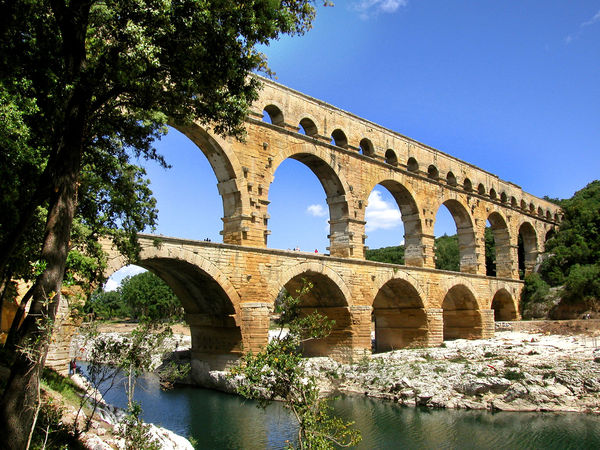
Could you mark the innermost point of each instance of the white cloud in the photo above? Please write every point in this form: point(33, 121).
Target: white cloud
point(114, 281)
point(316, 210)
point(595, 19)
point(367, 8)
point(381, 214)
point(592, 21)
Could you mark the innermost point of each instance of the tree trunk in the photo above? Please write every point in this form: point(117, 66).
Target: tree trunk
point(18, 404)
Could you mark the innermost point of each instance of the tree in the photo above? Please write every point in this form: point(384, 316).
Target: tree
point(392, 255)
point(574, 251)
point(150, 298)
point(276, 373)
point(93, 83)
point(447, 256)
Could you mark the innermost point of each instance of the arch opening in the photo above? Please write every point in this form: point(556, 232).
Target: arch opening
point(366, 147)
point(339, 139)
point(451, 179)
point(433, 172)
point(327, 299)
point(391, 158)
point(399, 319)
point(217, 220)
point(322, 198)
point(392, 207)
point(497, 247)
point(468, 186)
point(481, 189)
point(272, 114)
point(462, 318)
point(527, 249)
point(455, 252)
point(307, 127)
point(209, 310)
point(412, 165)
point(504, 306)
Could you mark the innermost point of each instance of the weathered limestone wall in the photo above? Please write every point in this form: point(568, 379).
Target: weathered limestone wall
point(67, 323)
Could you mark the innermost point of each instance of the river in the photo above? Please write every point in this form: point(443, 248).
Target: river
point(223, 421)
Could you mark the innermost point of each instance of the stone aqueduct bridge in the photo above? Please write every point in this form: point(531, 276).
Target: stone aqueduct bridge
point(228, 290)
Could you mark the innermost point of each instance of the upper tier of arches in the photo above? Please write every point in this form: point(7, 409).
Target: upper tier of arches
point(325, 123)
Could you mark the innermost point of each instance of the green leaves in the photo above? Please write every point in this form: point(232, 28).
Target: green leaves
point(277, 373)
point(574, 251)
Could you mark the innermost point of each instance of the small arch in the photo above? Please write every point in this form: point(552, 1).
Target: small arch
point(540, 211)
point(468, 186)
point(556, 217)
point(272, 114)
point(433, 172)
point(338, 138)
point(548, 215)
point(399, 318)
point(523, 205)
point(451, 179)
point(503, 197)
point(462, 318)
point(504, 306)
point(481, 189)
point(493, 194)
point(532, 208)
point(308, 126)
point(366, 147)
point(390, 157)
point(513, 202)
point(412, 165)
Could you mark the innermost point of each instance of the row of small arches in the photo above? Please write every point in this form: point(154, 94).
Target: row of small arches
point(273, 115)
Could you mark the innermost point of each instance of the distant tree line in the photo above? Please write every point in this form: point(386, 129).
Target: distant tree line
point(143, 297)
point(446, 253)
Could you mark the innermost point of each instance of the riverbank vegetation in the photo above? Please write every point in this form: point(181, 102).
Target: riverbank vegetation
point(570, 270)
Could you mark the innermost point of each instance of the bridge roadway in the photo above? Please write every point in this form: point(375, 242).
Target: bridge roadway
point(229, 291)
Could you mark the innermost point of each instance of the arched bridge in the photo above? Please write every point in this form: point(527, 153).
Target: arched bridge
point(229, 289)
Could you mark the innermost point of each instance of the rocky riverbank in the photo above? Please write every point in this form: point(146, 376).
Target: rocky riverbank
point(512, 372)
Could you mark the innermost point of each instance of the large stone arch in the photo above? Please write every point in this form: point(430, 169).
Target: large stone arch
point(461, 314)
point(414, 253)
point(502, 244)
point(210, 301)
point(327, 297)
point(230, 180)
point(399, 316)
point(504, 306)
point(467, 242)
point(527, 248)
point(335, 187)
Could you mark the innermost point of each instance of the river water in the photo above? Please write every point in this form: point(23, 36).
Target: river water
point(223, 421)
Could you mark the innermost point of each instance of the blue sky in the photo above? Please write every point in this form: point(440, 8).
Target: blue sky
point(511, 86)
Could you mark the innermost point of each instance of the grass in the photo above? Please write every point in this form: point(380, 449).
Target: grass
point(63, 385)
point(513, 375)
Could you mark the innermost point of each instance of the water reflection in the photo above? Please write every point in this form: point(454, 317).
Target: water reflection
point(222, 421)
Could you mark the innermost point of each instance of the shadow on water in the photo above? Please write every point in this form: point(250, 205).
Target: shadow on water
point(222, 421)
